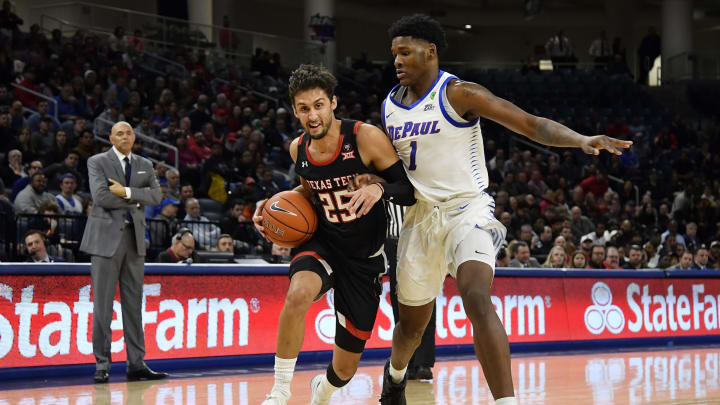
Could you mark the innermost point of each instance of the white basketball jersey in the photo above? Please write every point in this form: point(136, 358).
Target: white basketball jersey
point(442, 153)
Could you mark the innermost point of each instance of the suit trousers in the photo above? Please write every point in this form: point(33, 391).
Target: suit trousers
point(425, 353)
point(127, 267)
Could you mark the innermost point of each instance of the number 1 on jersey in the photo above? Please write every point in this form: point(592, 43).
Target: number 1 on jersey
point(413, 151)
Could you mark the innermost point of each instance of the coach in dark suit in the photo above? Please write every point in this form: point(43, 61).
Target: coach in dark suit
point(121, 184)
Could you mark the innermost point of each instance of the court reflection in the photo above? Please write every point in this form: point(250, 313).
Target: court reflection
point(612, 378)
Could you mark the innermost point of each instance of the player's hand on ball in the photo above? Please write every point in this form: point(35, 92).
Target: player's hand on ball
point(592, 145)
point(362, 200)
point(257, 218)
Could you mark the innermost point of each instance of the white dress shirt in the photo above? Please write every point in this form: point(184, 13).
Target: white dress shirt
point(121, 158)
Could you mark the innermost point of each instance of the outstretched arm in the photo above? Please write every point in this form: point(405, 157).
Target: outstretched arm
point(472, 100)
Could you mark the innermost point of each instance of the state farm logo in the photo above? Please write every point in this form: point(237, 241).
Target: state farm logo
point(325, 320)
point(603, 314)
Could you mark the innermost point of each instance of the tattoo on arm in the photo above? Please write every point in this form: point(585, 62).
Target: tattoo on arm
point(551, 133)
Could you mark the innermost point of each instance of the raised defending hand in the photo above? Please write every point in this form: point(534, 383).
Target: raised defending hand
point(257, 218)
point(117, 188)
point(592, 145)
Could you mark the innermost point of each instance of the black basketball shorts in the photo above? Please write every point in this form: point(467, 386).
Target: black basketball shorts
point(357, 287)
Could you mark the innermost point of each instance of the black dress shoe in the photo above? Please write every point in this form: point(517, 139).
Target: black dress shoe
point(145, 373)
point(101, 376)
point(423, 373)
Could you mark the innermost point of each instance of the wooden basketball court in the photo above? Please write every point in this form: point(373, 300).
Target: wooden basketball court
point(684, 376)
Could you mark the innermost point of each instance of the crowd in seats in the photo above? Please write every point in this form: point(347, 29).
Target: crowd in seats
point(652, 207)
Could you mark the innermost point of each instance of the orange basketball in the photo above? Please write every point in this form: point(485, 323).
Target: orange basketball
point(289, 219)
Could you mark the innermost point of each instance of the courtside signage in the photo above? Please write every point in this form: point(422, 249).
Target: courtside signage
point(47, 320)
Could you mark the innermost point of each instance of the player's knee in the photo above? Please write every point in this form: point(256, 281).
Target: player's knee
point(345, 371)
point(478, 303)
point(410, 331)
point(300, 298)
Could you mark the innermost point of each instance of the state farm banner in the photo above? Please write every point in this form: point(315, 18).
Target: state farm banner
point(47, 320)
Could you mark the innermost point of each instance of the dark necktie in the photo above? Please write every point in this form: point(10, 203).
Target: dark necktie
point(128, 171)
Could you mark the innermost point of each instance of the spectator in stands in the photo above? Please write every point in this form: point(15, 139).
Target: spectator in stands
point(267, 186)
point(685, 263)
point(225, 243)
point(9, 22)
point(579, 260)
point(183, 245)
point(672, 232)
point(24, 144)
point(648, 51)
point(35, 167)
point(104, 122)
point(579, 223)
point(37, 251)
point(635, 258)
point(502, 258)
point(14, 169)
point(597, 257)
point(43, 112)
point(118, 41)
point(280, 254)
point(600, 236)
point(238, 224)
point(168, 214)
point(27, 80)
point(596, 184)
point(56, 171)
point(522, 258)
point(86, 146)
point(58, 150)
point(67, 200)
point(612, 258)
point(542, 245)
point(204, 232)
point(136, 40)
point(556, 258)
point(228, 39)
point(601, 51)
point(200, 113)
point(29, 199)
point(700, 261)
point(559, 48)
point(172, 176)
point(42, 139)
point(68, 106)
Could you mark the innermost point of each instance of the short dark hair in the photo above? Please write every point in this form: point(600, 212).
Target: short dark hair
point(34, 232)
point(307, 77)
point(420, 26)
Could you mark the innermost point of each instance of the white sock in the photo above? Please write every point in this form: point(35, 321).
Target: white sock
point(397, 375)
point(506, 401)
point(284, 369)
point(324, 391)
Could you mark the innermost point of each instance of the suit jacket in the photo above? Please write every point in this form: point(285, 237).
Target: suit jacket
point(105, 223)
point(532, 263)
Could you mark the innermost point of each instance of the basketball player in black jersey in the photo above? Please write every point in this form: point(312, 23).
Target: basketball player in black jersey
point(346, 252)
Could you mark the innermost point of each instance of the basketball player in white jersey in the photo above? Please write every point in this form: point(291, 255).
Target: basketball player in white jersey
point(432, 119)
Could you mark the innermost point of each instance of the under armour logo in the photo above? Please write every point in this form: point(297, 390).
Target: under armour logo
point(346, 146)
point(429, 107)
point(304, 163)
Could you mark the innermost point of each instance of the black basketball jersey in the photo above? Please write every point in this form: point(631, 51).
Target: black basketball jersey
point(328, 180)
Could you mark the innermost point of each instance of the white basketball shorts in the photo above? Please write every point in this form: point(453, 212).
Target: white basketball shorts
point(436, 239)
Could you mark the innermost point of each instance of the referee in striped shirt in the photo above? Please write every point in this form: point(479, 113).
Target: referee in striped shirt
point(420, 367)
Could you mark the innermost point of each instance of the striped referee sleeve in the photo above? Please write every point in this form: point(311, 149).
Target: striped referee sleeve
point(396, 214)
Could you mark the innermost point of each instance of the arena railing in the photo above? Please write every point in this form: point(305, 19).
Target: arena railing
point(692, 65)
point(206, 233)
point(63, 233)
point(48, 23)
point(104, 130)
point(176, 31)
point(40, 95)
